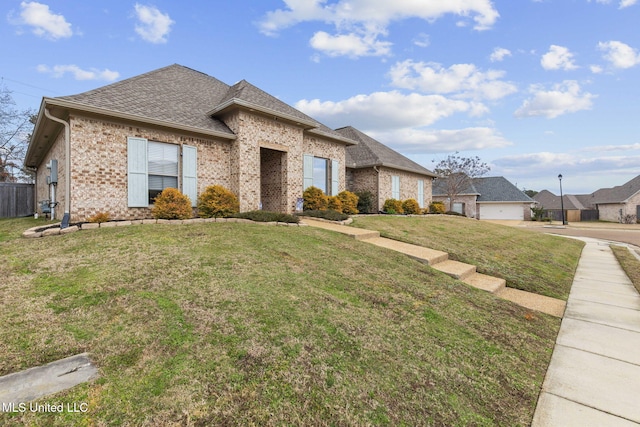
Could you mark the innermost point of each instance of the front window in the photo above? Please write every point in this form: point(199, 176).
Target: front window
point(321, 174)
point(163, 167)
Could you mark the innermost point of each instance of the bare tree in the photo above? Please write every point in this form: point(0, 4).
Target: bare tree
point(15, 131)
point(457, 173)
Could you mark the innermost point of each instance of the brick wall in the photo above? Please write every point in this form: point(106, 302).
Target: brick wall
point(365, 179)
point(99, 165)
point(408, 186)
point(56, 152)
point(470, 208)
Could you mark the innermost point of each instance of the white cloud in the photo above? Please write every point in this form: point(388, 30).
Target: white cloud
point(78, 73)
point(385, 110)
point(153, 26)
point(578, 170)
point(369, 19)
point(421, 141)
point(596, 69)
point(564, 98)
point(352, 45)
point(423, 40)
point(463, 80)
point(44, 22)
point(619, 54)
point(498, 54)
point(558, 58)
point(622, 4)
point(623, 147)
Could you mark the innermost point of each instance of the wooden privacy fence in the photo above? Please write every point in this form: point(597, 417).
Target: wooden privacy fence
point(16, 199)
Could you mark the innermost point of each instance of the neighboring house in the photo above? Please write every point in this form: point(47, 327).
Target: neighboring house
point(372, 166)
point(487, 198)
point(606, 204)
point(576, 207)
point(113, 149)
point(615, 203)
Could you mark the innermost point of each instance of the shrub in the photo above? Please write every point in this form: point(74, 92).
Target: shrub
point(266, 216)
point(330, 215)
point(454, 213)
point(334, 203)
point(393, 206)
point(411, 207)
point(100, 217)
point(437, 208)
point(314, 199)
point(216, 201)
point(537, 213)
point(365, 201)
point(172, 204)
point(349, 202)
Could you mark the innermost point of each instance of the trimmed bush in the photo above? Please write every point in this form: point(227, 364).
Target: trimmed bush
point(437, 208)
point(349, 202)
point(266, 216)
point(365, 201)
point(172, 204)
point(334, 203)
point(393, 206)
point(453, 213)
point(411, 207)
point(216, 201)
point(330, 215)
point(314, 199)
point(99, 218)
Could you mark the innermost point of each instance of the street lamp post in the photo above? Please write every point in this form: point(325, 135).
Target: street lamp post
point(561, 201)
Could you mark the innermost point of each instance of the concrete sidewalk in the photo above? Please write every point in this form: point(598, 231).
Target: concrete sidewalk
point(594, 375)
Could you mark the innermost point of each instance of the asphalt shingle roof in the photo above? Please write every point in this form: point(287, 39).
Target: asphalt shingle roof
point(499, 189)
point(488, 189)
point(369, 152)
point(181, 95)
point(174, 94)
point(618, 194)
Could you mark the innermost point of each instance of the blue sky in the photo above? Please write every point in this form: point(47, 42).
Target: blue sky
point(534, 88)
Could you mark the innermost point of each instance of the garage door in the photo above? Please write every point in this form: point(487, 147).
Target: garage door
point(500, 211)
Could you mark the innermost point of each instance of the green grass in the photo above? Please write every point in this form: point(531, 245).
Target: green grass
point(242, 324)
point(629, 263)
point(527, 260)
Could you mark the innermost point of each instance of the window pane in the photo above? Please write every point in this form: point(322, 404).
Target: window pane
point(157, 182)
point(320, 170)
point(163, 158)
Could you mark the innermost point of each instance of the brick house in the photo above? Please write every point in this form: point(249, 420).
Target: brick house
point(113, 149)
point(372, 166)
point(617, 204)
point(487, 198)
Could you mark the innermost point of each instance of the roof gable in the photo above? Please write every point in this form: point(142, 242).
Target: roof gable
point(369, 153)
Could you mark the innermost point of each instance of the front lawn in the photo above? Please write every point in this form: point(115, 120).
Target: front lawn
point(243, 324)
point(527, 260)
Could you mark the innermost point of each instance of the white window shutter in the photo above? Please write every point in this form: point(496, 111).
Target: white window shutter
point(307, 172)
point(190, 173)
point(335, 177)
point(395, 187)
point(421, 193)
point(137, 182)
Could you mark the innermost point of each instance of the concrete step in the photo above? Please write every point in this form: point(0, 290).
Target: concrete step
point(356, 233)
point(552, 306)
point(429, 256)
point(486, 283)
point(455, 269)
